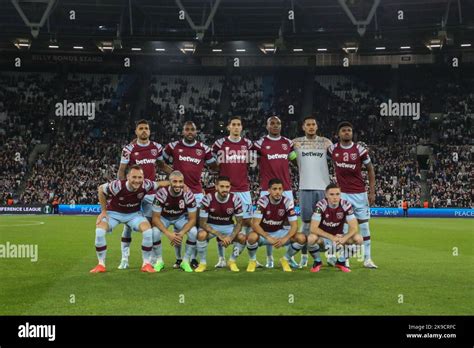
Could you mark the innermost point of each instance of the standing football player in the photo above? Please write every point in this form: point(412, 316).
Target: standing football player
point(189, 157)
point(145, 153)
point(275, 153)
point(313, 171)
point(234, 154)
point(327, 225)
point(348, 158)
point(174, 206)
point(120, 202)
point(216, 220)
point(273, 210)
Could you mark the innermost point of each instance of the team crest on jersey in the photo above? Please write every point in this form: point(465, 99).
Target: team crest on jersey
point(136, 153)
point(353, 156)
point(198, 152)
point(212, 210)
point(121, 198)
point(327, 215)
point(268, 212)
point(181, 204)
point(268, 147)
point(230, 210)
point(284, 146)
point(140, 195)
point(154, 152)
point(180, 150)
point(337, 155)
point(281, 212)
point(339, 215)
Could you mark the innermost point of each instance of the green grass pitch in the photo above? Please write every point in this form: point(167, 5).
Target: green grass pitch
point(415, 259)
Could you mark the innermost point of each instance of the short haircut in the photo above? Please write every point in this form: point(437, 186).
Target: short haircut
point(344, 124)
point(142, 121)
point(274, 181)
point(176, 173)
point(189, 123)
point(310, 117)
point(273, 116)
point(234, 118)
point(135, 166)
point(222, 178)
point(331, 186)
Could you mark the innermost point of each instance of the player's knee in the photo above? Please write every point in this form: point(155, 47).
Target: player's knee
point(358, 239)
point(241, 238)
point(202, 235)
point(145, 225)
point(300, 238)
point(312, 239)
point(103, 225)
point(252, 238)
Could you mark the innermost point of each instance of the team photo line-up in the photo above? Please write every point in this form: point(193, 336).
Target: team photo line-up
point(335, 216)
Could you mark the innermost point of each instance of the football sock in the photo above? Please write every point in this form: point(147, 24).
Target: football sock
point(365, 233)
point(238, 248)
point(157, 248)
point(252, 248)
point(126, 240)
point(147, 245)
point(314, 251)
point(293, 248)
point(100, 245)
point(201, 246)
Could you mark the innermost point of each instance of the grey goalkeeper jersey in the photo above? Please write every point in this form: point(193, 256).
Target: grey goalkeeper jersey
point(312, 162)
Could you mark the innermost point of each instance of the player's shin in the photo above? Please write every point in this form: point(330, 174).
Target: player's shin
point(314, 251)
point(126, 240)
point(189, 250)
point(147, 245)
point(293, 248)
point(157, 247)
point(365, 233)
point(201, 246)
point(100, 245)
point(236, 251)
point(252, 249)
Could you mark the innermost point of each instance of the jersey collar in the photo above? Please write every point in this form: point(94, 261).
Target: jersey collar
point(346, 147)
point(217, 198)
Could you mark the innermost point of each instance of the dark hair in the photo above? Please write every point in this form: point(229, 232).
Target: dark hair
point(274, 181)
point(310, 117)
point(234, 118)
point(142, 121)
point(344, 124)
point(135, 166)
point(189, 122)
point(331, 186)
point(222, 178)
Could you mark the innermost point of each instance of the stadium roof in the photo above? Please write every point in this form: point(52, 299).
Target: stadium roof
point(329, 24)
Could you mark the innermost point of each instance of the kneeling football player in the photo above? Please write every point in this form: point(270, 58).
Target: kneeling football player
point(174, 206)
point(326, 228)
point(273, 210)
point(124, 207)
point(216, 220)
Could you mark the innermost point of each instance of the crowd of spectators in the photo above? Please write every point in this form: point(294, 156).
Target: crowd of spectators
point(84, 153)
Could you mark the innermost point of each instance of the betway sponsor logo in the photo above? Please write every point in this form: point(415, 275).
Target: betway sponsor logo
point(331, 224)
point(345, 165)
point(272, 222)
point(173, 211)
point(277, 156)
point(189, 159)
point(146, 161)
point(312, 154)
point(129, 205)
point(220, 218)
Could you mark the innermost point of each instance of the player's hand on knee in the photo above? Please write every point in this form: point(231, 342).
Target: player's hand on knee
point(226, 241)
point(101, 216)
